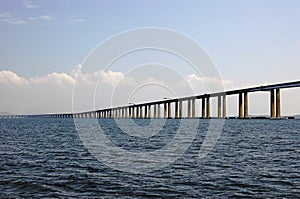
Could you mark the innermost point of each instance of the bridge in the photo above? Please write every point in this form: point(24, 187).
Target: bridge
point(144, 110)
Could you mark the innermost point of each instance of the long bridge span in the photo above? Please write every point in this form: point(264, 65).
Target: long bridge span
point(153, 109)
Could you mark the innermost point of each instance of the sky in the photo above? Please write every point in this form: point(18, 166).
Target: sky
point(45, 43)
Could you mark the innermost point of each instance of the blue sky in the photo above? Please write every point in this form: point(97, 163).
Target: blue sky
point(251, 42)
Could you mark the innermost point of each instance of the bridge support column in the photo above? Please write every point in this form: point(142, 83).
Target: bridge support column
point(145, 111)
point(272, 104)
point(132, 112)
point(240, 105)
point(169, 110)
point(158, 110)
point(180, 109)
point(149, 111)
point(219, 106)
point(278, 114)
point(189, 109)
point(129, 112)
point(193, 108)
point(207, 107)
point(224, 106)
point(176, 109)
point(203, 107)
point(246, 105)
point(154, 111)
point(141, 111)
point(165, 110)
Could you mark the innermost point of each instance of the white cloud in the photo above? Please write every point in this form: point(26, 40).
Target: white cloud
point(109, 78)
point(77, 20)
point(9, 77)
point(30, 4)
point(5, 15)
point(57, 78)
point(208, 83)
point(153, 80)
point(7, 18)
point(45, 17)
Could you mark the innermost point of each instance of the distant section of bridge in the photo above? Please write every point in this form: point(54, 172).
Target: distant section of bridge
point(144, 110)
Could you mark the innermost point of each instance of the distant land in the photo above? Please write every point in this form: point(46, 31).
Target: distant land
point(5, 113)
point(297, 116)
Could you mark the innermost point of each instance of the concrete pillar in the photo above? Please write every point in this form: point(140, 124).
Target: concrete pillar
point(149, 111)
point(180, 109)
point(145, 111)
point(219, 106)
point(193, 108)
point(176, 109)
point(241, 106)
point(158, 110)
point(165, 110)
point(224, 106)
point(203, 107)
point(132, 112)
point(169, 110)
point(189, 109)
point(246, 105)
point(278, 114)
point(272, 104)
point(128, 112)
point(207, 107)
point(154, 111)
point(140, 112)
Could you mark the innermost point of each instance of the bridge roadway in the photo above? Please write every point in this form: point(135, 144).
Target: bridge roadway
point(144, 110)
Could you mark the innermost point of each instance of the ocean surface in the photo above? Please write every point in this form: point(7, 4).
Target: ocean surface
point(46, 158)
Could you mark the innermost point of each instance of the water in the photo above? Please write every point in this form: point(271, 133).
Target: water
point(45, 158)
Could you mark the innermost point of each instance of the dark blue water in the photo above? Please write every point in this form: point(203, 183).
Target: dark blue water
point(252, 158)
